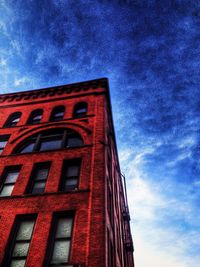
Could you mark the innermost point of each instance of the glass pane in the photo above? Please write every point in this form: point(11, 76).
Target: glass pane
point(81, 110)
point(20, 250)
point(37, 118)
point(38, 187)
point(18, 263)
point(7, 190)
point(74, 141)
point(3, 143)
point(50, 144)
point(72, 171)
point(27, 148)
point(52, 135)
point(60, 251)
point(71, 184)
point(12, 177)
point(59, 114)
point(64, 227)
point(42, 174)
point(15, 120)
point(1, 150)
point(25, 230)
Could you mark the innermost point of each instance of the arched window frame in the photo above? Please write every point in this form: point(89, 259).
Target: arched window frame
point(47, 140)
point(57, 113)
point(12, 120)
point(35, 116)
point(80, 110)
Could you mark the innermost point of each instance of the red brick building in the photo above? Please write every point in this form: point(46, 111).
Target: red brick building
point(62, 197)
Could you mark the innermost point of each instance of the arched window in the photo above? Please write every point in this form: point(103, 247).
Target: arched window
point(50, 140)
point(13, 119)
point(80, 110)
point(35, 117)
point(57, 113)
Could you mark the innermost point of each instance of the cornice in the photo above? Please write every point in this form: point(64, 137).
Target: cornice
point(54, 91)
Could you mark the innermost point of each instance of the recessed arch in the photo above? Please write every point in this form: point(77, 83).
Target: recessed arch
point(57, 113)
point(80, 110)
point(12, 120)
point(51, 139)
point(78, 127)
point(35, 116)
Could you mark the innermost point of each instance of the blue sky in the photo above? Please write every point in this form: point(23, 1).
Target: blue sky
point(150, 51)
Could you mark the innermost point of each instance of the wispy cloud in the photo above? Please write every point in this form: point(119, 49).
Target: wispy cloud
point(162, 211)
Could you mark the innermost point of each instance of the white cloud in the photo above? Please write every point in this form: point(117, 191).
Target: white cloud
point(160, 210)
point(21, 81)
point(148, 255)
point(3, 62)
point(16, 47)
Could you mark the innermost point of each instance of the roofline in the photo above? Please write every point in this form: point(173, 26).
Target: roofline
point(94, 81)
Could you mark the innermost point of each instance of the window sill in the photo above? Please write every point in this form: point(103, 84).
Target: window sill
point(46, 194)
point(47, 151)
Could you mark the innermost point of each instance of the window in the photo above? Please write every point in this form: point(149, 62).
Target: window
point(9, 179)
point(39, 177)
point(80, 110)
point(20, 242)
point(60, 240)
point(50, 140)
point(70, 175)
point(35, 117)
point(3, 141)
point(57, 113)
point(13, 119)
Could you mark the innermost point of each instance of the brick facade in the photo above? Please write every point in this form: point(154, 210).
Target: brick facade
point(101, 230)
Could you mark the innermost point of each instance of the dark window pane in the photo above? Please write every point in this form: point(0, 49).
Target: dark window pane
point(71, 184)
point(70, 175)
point(28, 148)
point(52, 135)
point(36, 120)
point(50, 145)
point(38, 178)
point(42, 174)
point(50, 140)
point(81, 111)
point(74, 141)
point(57, 113)
point(3, 143)
point(72, 170)
point(11, 177)
point(35, 116)
point(38, 187)
point(13, 119)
